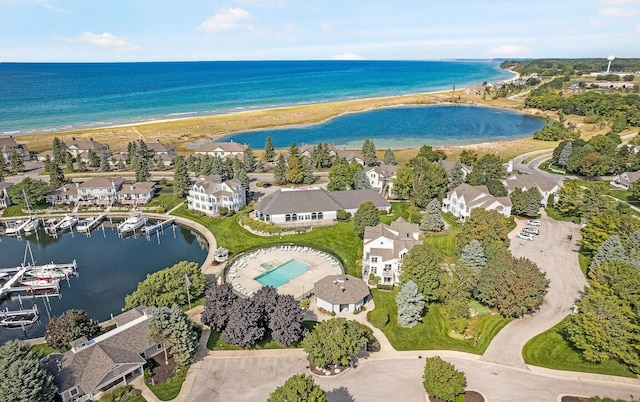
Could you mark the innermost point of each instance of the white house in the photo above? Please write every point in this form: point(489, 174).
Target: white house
point(210, 193)
point(8, 145)
point(313, 206)
point(336, 293)
point(546, 187)
point(625, 180)
point(102, 191)
point(385, 247)
point(381, 178)
point(5, 201)
point(463, 199)
point(221, 149)
point(94, 366)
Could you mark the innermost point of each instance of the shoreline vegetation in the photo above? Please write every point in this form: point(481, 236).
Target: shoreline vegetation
point(184, 131)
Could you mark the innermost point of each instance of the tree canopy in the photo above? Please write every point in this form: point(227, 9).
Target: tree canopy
point(423, 266)
point(174, 328)
point(24, 377)
point(366, 215)
point(335, 341)
point(298, 388)
point(489, 228)
point(410, 305)
point(432, 220)
point(73, 324)
point(442, 380)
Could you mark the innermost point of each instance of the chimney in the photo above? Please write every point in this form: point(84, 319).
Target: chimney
point(73, 138)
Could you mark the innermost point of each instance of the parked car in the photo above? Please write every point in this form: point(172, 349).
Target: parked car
point(531, 230)
point(533, 222)
point(525, 236)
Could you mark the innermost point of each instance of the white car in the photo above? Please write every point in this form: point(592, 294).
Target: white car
point(531, 230)
point(534, 222)
point(525, 236)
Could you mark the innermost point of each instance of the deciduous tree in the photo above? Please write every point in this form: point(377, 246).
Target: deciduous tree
point(423, 265)
point(488, 167)
point(73, 324)
point(34, 189)
point(490, 228)
point(429, 180)
point(286, 320)
point(298, 388)
point(410, 305)
point(339, 177)
point(366, 215)
point(217, 304)
point(468, 158)
point(245, 326)
point(24, 377)
point(335, 341)
point(403, 182)
point(442, 380)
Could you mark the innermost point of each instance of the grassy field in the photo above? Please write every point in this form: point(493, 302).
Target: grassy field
point(165, 197)
point(446, 243)
point(215, 341)
point(44, 348)
point(170, 389)
point(432, 332)
point(549, 349)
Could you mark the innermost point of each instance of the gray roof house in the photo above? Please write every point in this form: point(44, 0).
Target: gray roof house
point(336, 293)
point(221, 149)
point(546, 187)
point(93, 366)
point(384, 247)
point(9, 144)
point(381, 178)
point(77, 147)
point(313, 206)
point(210, 193)
point(463, 199)
point(625, 180)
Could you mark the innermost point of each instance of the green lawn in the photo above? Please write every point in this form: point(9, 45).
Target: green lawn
point(432, 332)
point(557, 215)
point(44, 348)
point(398, 209)
point(170, 389)
point(447, 242)
point(549, 349)
point(215, 341)
point(584, 261)
point(17, 209)
point(339, 238)
point(623, 195)
point(165, 197)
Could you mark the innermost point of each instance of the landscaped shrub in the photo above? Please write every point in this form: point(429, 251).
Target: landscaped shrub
point(262, 226)
point(160, 210)
point(343, 215)
point(120, 394)
point(378, 318)
point(384, 287)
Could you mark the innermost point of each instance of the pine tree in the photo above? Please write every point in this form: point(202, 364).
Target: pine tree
point(369, 153)
point(432, 220)
point(69, 162)
point(456, 176)
point(280, 171)
point(17, 166)
point(294, 151)
point(533, 202)
point(56, 177)
point(3, 171)
point(389, 157)
point(360, 180)
point(307, 170)
point(249, 160)
point(121, 165)
point(93, 159)
point(142, 169)
point(294, 173)
point(181, 177)
point(24, 376)
point(366, 215)
point(241, 175)
point(59, 150)
point(611, 250)
point(183, 340)
point(269, 151)
point(410, 305)
point(565, 154)
point(473, 256)
point(104, 163)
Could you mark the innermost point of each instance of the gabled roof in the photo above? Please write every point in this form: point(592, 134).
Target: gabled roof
point(221, 146)
point(102, 182)
point(5, 185)
point(349, 154)
point(341, 289)
point(67, 189)
point(85, 144)
point(316, 200)
point(527, 181)
point(351, 199)
point(450, 165)
point(7, 144)
point(402, 233)
point(160, 147)
point(478, 196)
point(629, 178)
point(213, 184)
point(384, 170)
point(143, 187)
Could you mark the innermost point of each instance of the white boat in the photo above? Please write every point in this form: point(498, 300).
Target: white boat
point(38, 282)
point(20, 319)
point(49, 271)
point(13, 227)
point(132, 223)
point(32, 225)
point(68, 222)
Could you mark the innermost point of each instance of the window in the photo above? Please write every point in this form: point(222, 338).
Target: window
point(287, 217)
point(374, 259)
point(74, 391)
point(319, 215)
point(159, 346)
point(314, 215)
point(374, 270)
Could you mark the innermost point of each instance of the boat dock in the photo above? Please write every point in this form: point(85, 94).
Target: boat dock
point(19, 228)
point(149, 230)
point(12, 285)
point(89, 225)
point(12, 313)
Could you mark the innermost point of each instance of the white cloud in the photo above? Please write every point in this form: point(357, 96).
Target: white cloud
point(508, 51)
point(260, 3)
point(595, 23)
point(225, 20)
point(326, 27)
point(615, 2)
point(346, 56)
point(108, 41)
point(616, 12)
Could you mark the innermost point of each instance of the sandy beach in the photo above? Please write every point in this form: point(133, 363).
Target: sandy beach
point(186, 130)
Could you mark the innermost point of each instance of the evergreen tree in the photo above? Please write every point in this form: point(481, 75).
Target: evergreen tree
point(307, 170)
point(565, 154)
point(59, 150)
point(241, 175)
point(294, 151)
point(104, 163)
point(410, 305)
point(48, 164)
point(73, 324)
point(533, 198)
point(121, 165)
point(17, 166)
point(366, 215)
point(269, 151)
point(442, 380)
point(369, 153)
point(360, 180)
point(299, 388)
point(56, 177)
point(3, 171)
point(321, 157)
point(468, 158)
point(93, 159)
point(389, 157)
point(473, 256)
point(280, 171)
point(69, 162)
point(249, 160)
point(34, 189)
point(423, 266)
point(432, 220)
point(456, 176)
point(181, 180)
point(142, 169)
point(294, 173)
point(496, 188)
point(611, 250)
point(24, 376)
point(183, 340)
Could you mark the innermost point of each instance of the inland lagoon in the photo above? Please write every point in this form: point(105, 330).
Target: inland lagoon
point(109, 268)
point(406, 127)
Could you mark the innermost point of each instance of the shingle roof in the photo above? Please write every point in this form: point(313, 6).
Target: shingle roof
point(144, 187)
point(629, 178)
point(160, 147)
point(85, 144)
point(221, 146)
point(527, 181)
point(341, 289)
point(67, 189)
point(352, 199)
point(102, 182)
point(478, 196)
point(316, 200)
point(5, 185)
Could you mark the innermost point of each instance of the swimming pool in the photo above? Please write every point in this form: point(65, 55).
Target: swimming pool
point(283, 273)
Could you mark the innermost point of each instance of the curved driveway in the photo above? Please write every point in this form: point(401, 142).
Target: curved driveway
point(556, 255)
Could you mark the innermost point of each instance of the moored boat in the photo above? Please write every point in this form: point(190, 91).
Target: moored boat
point(132, 223)
point(68, 222)
point(20, 320)
point(49, 271)
point(38, 282)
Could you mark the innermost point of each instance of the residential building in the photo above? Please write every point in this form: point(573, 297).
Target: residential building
point(81, 148)
point(164, 153)
point(384, 248)
point(313, 206)
point(336, 293)
point(103, 191)
point(350, 155)
point(42, 156)
point(8, 145)
point(94, 366)
point(210, 193)
point(139, 193)
point(546, 187)
point(159, 148)
point(5, 201)
point(221, 149)
point(381, 178)
point(450, 165)
point(625, 180)
point(463, 199)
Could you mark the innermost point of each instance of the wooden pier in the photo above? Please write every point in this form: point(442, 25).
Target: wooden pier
point(149, 230)
point(91, 225)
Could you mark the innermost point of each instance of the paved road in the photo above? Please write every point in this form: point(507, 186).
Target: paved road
point(557, 256)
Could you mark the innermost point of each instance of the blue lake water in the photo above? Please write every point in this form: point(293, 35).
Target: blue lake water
point(403, 127)
point(109, 268)
point(49, 97)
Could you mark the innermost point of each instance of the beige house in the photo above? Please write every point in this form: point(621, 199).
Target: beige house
point(222, 149)
point(78, 147)
point(103, 191)
point(546, 187)
point(463, 199)
point(625, 180)
point(384, 248)
point(381, 178)
point(8, 145)
point(94, 366)
point(5, 201)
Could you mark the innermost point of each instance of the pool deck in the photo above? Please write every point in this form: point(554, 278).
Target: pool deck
point(244, 269)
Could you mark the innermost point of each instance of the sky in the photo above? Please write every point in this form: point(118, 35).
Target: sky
point(186, 30)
